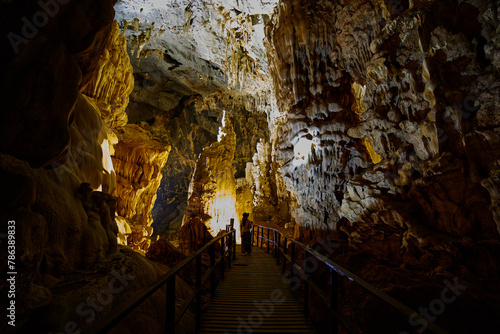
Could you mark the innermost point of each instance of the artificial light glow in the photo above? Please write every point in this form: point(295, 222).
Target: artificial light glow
point(302, 151)
point(107, 164)
point(221, 132)
point(222, 208)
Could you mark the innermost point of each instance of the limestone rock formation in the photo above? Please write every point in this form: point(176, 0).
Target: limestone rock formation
point(212, 192)
point(387, 130)
point(111, 81)
point(132, 158)
point(191, 64)
point(193, 235)
point(40, 74)
point(164, 252)
point(65, 85)
point(388, 107)
point(138, 160)
point(315, 96)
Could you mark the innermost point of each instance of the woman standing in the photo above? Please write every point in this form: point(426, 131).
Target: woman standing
point(246, 237)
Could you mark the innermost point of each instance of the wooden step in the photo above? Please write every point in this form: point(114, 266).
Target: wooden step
point(242, 301)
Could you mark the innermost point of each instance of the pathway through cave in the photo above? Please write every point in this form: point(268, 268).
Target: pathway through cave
point(254, 298)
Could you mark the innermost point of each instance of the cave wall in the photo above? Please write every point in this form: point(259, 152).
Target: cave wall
point(134, 158)
point(389, 106)
point(138, 160)
point(61, 224)
point(387, 133)
point(212, 192)
point(65, 78)
point(194, 61)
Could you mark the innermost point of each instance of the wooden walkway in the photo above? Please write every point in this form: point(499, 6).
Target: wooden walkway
point(252, 298)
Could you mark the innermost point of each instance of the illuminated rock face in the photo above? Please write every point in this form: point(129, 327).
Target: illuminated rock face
point(62, 223)
point(132, 158)
point(192, 61)
point(219, 41)
point(138, 160)
point(314, 94)
point(212, 192)
point(388, 127)
point(64, 92)
point(111, 80)
point(387, 131)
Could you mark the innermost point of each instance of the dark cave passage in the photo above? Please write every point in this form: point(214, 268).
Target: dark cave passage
point(132, 132)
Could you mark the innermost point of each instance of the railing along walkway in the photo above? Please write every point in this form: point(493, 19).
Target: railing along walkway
point(286, 250)
point(173, 314)
point(253, 298)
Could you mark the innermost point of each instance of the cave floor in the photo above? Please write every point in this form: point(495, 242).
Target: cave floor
point(254, 298)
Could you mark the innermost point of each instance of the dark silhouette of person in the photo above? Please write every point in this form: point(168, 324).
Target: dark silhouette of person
point(246, 236)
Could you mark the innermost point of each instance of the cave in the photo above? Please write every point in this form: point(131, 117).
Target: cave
point(361, 134)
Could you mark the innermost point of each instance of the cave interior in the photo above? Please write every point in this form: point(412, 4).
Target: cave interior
point(133, 131)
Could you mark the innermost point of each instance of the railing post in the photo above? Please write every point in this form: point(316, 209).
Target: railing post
point(262, 237)
point(229, 249)
point(223, 255)
point(234, 243)
point(334, 288)
point(278, 244)
point(268, 230)
point(275, 243)
point(252, 235)
point(292, 262)
point(256, 236)
point(212, 265)
point(284, 254)
point(306, 283)
point(198, 292)
point(170, 315)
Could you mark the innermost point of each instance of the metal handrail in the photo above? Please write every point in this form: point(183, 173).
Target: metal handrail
point(228, 249)
point(335, 271)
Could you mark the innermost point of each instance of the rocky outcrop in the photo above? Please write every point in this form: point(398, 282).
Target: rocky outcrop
point(314, 93)
point(193, 60)
point(132, 157)
point(193, 235)
point(212, 192)
point(164, 252)
point(65, 85)
point(389, 108)
point(138, 160)
point(41, 75)
point(62, 223)
point(387, 131)
point(271, 200)
point(111, 81)
point(189, 127)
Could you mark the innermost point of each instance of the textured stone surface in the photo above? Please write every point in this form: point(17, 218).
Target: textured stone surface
point(192, 61)
point(164, 252)
point(212, 192)
point(64, 91)
point(111, 81)
point(40, 76)
point(387, 130)
point(193, 235)
point(138, 159)
point(391, 107)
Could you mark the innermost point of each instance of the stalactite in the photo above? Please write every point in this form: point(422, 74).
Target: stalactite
point(138, 160)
